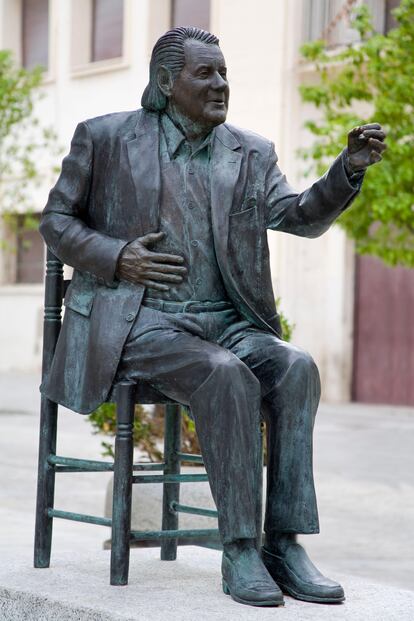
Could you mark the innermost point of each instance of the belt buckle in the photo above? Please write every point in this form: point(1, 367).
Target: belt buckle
point(187, 307)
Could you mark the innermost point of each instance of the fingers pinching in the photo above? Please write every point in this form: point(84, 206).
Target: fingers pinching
point(379, 134)
point(369, 126)
point(356, 131)
point(377, 145)
point(375, 157)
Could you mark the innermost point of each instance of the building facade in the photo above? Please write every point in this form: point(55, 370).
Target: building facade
point(96, 54)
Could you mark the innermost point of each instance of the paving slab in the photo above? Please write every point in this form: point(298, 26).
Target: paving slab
point(76, 587)
point(364, 470)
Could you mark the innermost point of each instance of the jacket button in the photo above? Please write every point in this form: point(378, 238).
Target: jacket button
point(130, 317)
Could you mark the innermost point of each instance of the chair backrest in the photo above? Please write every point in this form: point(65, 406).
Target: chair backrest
point(54, 293)
point(55, 290)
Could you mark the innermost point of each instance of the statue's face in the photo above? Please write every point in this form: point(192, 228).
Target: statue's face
point(201, 91)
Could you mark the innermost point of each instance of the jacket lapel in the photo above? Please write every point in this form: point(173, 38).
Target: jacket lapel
point(143, 155)
point(226, 160)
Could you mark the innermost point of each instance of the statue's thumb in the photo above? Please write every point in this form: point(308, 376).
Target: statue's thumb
point(151, 238)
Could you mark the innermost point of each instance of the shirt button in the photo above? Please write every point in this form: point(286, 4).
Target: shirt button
point(194, 242)
point(199, 281)
point(191, 205)
point(130, 317)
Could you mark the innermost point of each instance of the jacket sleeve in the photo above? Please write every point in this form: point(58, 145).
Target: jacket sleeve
point(309, 213)
point(63, 224)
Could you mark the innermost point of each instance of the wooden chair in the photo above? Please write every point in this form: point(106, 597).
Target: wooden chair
point(125, 395)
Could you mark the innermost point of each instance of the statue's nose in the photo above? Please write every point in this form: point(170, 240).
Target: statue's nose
point(219, 83)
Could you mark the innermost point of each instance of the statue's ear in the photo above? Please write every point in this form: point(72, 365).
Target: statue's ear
point(164, 80)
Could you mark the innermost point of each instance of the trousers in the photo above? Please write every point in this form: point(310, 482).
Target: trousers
point(231, 374)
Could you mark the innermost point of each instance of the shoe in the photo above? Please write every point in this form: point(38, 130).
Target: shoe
point(247, 581)
point(297, 576)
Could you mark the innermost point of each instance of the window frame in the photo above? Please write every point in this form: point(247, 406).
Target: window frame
point(81, 64)
point(24, 38)
point(379, 18)
point(12, 32)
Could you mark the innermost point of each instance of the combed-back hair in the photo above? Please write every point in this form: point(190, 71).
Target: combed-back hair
point(169, 52)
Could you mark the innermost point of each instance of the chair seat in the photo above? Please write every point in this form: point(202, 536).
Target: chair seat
point(145, 393)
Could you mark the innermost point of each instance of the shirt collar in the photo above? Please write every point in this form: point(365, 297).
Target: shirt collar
point(174, 137)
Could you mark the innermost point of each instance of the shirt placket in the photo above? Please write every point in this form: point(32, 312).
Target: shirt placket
point(193, 171)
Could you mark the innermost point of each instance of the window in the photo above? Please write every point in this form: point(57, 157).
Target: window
point(190, 13)
point(35, 33)
point(330, 19)
point(107, 29)
point(390, 21)
point(29, 253)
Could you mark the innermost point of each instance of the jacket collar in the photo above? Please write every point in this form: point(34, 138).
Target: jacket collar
point(143, 154)
point(226, 137)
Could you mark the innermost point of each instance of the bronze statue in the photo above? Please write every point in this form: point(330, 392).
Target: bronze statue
point(163, 214)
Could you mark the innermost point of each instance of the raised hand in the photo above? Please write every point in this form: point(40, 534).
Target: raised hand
point(365, 146)
point(140, 265)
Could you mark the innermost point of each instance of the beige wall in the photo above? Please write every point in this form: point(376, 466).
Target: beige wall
point(313, 277)
point(260, 42)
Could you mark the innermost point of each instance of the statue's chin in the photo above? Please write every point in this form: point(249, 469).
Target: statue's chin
point(217, 117)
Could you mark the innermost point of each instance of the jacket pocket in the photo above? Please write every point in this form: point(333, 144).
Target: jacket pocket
point(81, 293)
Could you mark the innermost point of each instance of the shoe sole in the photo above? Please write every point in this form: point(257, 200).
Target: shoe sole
point(240, 600)
point(310, 598)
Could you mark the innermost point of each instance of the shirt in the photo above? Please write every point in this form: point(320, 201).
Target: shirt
point(185, 217)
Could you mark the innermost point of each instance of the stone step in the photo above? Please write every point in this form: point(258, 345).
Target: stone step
point(76, 587)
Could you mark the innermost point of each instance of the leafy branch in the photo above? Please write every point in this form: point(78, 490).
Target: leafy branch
point(26, 148)
point(375, 75)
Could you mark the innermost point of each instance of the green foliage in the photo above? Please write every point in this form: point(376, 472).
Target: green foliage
point(287, 326)
point(374, 75)
point(148, 430)
point(23, 142)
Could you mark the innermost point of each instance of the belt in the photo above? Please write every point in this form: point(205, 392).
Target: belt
point(186, 307)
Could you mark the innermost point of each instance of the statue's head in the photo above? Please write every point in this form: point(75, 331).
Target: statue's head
point(188, 76)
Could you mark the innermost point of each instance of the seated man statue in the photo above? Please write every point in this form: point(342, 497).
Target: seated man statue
point(163, 214)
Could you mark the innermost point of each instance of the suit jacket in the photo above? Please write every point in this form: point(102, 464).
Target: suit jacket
point(108, 194)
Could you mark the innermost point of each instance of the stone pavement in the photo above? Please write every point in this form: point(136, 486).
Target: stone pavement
point(364, 467)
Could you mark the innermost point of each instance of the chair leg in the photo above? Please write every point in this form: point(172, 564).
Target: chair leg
point(259, 489)
point(45, 483)
point(122, 492)
point(171, 491)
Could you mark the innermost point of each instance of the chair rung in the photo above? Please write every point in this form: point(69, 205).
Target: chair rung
point(72, 464)
point(138, 535)
point(149, 466)
point(80, 465)
point(190, 457)
point(79, 517)
point(175, 506)
point(170, 478)
point(135, 534)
